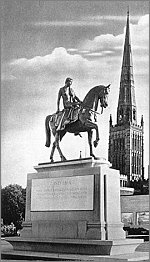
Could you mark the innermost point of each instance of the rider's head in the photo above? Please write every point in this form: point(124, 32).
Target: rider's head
point(68, 81)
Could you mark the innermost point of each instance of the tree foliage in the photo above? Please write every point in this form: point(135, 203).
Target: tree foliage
point(141, 187)
point(13, 205)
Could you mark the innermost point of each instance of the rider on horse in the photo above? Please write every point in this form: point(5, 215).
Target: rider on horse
point(70, 101)
point(98, 95)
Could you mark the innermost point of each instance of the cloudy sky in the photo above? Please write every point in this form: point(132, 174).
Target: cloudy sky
point(43, 42)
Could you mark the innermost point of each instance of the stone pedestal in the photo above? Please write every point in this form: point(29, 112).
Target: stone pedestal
point(74, 207)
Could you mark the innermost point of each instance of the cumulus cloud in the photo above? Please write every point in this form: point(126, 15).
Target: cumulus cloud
point(103, 42)
point(56, 66)
point(139, 36)
point(97, 62)
point(59, 58)
point(62, 61)
point(53, 68)
point(72, 50)
point(140, 33)
point(38, 80)
point(7, 77)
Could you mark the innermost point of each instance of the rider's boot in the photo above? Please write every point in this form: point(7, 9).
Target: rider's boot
point(77, 134)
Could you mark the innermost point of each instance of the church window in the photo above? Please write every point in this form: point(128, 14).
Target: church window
point(120, 143)
point(128, 95)
point(134, 114)
point(123, 163)
point(134, 164)
point(128, 114)
point(132, 169)
point(138, 142)
point(120, 114)
point(114, 145)
point(137, 164)
point(123, 144)
point(133, 142)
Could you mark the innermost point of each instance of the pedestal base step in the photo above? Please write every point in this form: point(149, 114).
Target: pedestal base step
point(43, 256)
point(75, 246)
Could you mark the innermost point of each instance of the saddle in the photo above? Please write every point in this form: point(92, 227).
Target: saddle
point(65, 117)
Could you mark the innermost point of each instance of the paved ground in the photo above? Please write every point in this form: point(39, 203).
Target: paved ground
point(144, 247)
point(13, 260)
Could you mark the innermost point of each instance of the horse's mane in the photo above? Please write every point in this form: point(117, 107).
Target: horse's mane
point(90, 96)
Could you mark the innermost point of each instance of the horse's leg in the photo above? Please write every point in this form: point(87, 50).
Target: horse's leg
point(92, 125)
point(55, 134)
point(61, 134)
point(97, 136)
point(58, 147)
point(47, 131)
point(90, 142)
point(60, 153)
point(90, 133)
point(52, 151)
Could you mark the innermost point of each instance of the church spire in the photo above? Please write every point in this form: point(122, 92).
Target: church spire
point(126, 138)
point(126, 111)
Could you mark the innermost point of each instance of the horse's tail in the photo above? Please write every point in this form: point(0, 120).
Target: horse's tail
point(47, 131)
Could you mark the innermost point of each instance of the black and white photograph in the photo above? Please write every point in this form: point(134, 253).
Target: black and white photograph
point(74, 130)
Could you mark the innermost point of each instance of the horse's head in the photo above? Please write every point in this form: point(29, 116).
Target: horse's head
point(103, 96)
point(96, 94)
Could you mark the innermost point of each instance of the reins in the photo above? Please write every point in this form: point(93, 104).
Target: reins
point(102, 102)
point(95, 112)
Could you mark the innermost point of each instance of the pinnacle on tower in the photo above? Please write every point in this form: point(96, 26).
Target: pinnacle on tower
point(142, 121)
point(110, 120)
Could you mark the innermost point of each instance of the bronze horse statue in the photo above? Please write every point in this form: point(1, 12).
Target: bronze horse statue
point(83, 123)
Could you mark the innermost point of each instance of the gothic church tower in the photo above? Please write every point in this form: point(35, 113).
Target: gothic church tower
point(126, 137)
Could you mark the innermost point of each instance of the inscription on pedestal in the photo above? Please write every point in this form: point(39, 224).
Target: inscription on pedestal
point(60, 194)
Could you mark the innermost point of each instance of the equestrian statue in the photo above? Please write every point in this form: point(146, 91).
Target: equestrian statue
point(76, 116)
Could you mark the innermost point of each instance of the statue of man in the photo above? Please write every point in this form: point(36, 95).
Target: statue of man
point(70, 100)
point(68, 95)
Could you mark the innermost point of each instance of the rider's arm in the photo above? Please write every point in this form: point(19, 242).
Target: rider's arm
point(74, 96)
point(77, 99)
point(58, 99)
point(95, 117)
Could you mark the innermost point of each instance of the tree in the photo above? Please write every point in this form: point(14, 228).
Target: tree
point(141, 187)
point(13, 205)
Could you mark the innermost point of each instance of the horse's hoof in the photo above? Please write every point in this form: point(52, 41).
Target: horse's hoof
point(51, 160)
point(95, 158)
point(47, 145)
point(63, 159)
point(95, 143)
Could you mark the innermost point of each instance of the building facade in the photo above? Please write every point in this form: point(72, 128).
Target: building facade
point(126, 148)
point(135, 211)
